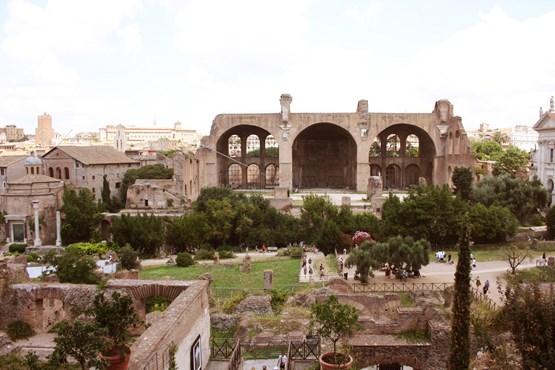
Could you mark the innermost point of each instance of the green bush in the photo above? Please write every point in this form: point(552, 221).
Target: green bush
point(18, 247)
point(230, 305)
point(157, 303)
point(204, 254)
point(129, 258)
point(226, 254)
point(184, 259)
point(535, 220)
point(295, 252)
point(279, 297)
point(20, 330)
point(90, 249)
point(72, 267)
point(32, 257)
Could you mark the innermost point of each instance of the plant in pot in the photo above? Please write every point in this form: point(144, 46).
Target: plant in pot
point(81, 340)
point(115, 317)
point(334, 320)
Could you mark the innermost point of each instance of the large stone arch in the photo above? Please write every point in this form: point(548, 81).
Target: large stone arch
point(409, 166)
point(224, 162)
point(324, 156)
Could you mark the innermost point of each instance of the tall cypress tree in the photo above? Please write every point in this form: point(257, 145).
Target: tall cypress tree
point(459, 356)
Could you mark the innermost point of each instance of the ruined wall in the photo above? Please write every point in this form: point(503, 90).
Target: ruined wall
point(181, 323)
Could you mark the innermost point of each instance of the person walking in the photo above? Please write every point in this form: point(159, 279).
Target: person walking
point(486, 287)
point(282, 360)
point(478, 283)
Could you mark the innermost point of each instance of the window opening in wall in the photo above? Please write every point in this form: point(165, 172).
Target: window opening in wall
point(146, 202)
point(551, 155)
point(118, 185)
point(93, 177)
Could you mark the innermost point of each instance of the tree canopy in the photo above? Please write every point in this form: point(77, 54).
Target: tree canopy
point(81, 215)
point(487, 150)
point(511, 161)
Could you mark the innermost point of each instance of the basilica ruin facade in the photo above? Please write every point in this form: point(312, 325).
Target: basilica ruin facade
point(334, 150)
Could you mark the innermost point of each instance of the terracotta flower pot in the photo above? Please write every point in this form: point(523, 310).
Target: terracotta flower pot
point(326, 361)
point(117, 359)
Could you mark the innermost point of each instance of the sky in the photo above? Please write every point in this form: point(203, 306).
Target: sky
point(135, 62)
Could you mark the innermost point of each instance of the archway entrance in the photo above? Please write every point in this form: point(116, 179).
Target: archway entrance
point(324, 156)
point(406, 153)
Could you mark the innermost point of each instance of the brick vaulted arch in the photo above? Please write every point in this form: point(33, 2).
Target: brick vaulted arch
point(306, 140)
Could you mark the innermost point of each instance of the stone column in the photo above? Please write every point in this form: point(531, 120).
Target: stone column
point(58, 229)
point(35, 204)
point(268, 284)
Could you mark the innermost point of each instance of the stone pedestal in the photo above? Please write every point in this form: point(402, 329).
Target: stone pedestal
point(346, 201)
point(268, 277)
point(375, 187)
point(550, 261)
point(280, 192)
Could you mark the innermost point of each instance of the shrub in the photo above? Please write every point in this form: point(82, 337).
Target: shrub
point(535, 220)
point(157, 303)
point(129, 258)
point(20, 330)
point(295, 252)
point(90, 249)
point(184, 259)
point(230, 305)
point(18, 247)
point(226, 254)
point(72, 267)
point(32, 257)
point(279, 297)
point(204, 254)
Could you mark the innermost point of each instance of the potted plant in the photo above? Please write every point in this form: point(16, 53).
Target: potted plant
point(81, 340)
point(334, 320)
point(115, 317)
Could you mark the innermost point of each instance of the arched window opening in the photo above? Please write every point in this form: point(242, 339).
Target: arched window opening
point(234, 146)
point(393, 147)
point(235, 175)
point(412, 146)
point(271, 147)
point(58, 173)
point(51, 172)
point(253, 176)
point(66, 173)
point(253, 146)
point(271, 175)
point(376, 148)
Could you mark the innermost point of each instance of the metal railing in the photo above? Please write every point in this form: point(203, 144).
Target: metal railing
point(484, 299)
point(222, 348)
point(399, 287)
point(236, 359)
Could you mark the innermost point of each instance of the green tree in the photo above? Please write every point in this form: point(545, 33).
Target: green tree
point(492, 224)
point(459, 355)
point(271, 152)
point(315, 211)
point(155, 171)
point(428, 212)
point(529, 311)
point(399, 250)
point(462, 179)
point(144, 233)
point(550, 221)
point(511, 161)
point(188, 232)
point(487, 150)
point(522, 197)
point(80, 340)
point(364, 260)
point(328, 239)
point(500, 137)
point(81, 215)
point(73, 267)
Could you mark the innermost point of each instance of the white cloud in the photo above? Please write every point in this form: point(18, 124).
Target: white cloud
point(131, 38)
point(361, 16)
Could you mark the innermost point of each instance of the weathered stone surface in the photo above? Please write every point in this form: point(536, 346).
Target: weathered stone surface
point(127, 274)
point(339, 285)
point(222, 321)
point(6, 345)
point(257, 304)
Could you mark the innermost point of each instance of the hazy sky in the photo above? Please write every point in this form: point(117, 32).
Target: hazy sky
point(96, 62)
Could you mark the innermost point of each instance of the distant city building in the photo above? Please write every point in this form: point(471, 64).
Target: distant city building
point(12, 167)
point(521, 136)
point(543, 158)
point(86, 166)
point(12, 133)
point(135, 138)
point(44, 132)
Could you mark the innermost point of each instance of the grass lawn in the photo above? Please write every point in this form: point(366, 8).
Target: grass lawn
point(285, 273)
